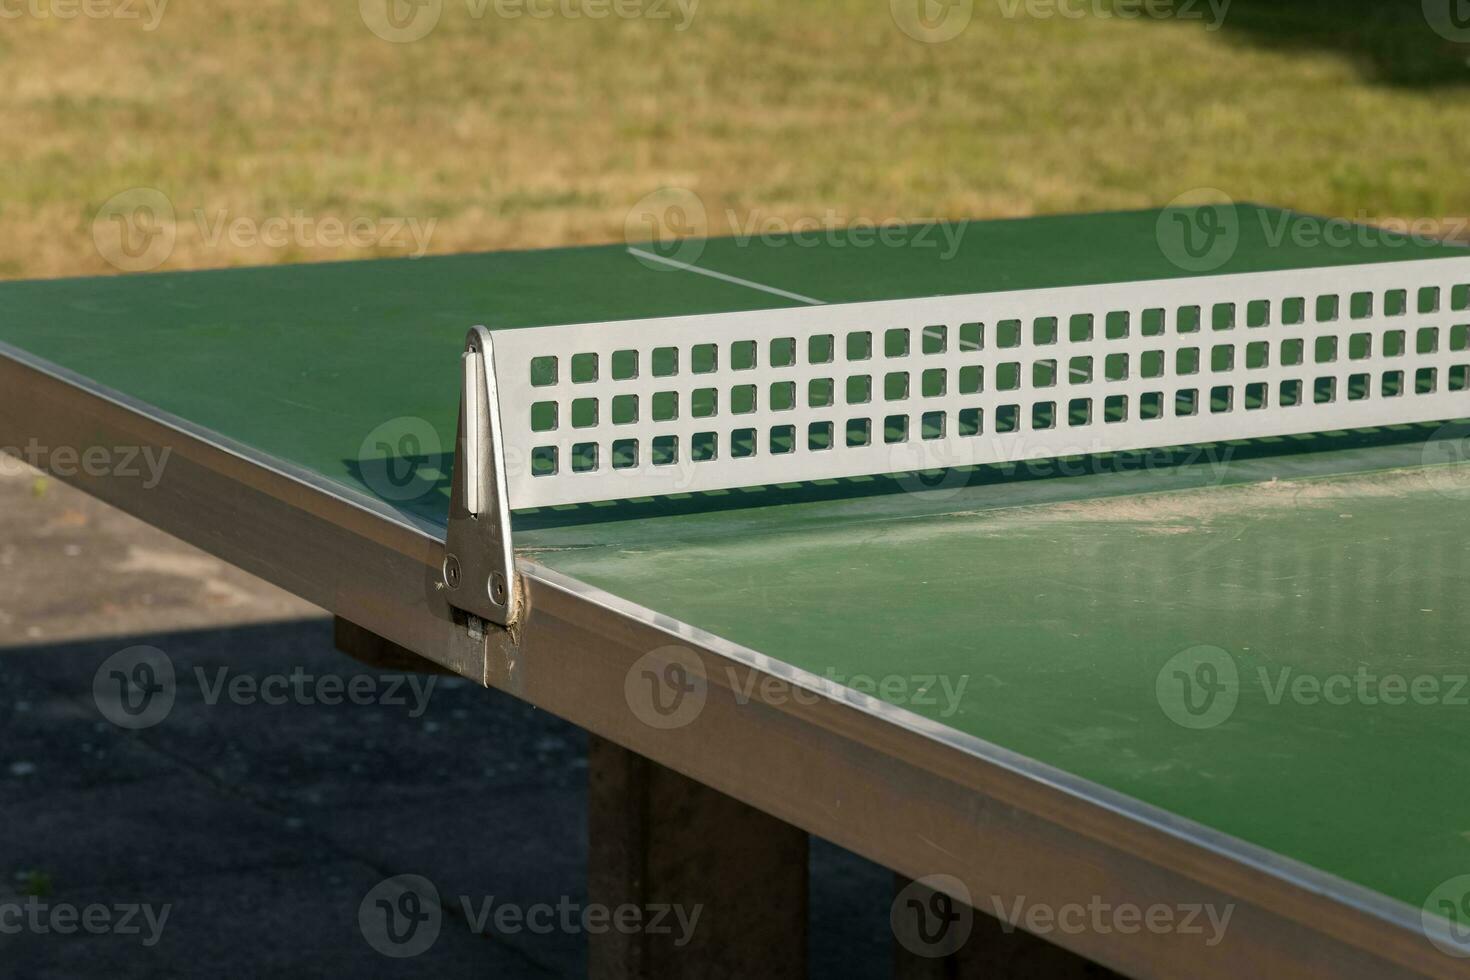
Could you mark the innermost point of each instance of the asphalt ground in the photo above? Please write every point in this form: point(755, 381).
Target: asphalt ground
point(238, 827)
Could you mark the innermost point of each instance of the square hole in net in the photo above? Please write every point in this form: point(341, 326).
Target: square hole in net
point(584, 413)
point(704, 403)
point(782, 440)
point(665, 407)
point(936, 339)
point(624, 409)
point(665, 362)
point(584, 457)
point(584, 368)
point(624, 365)
point(543, 371)
point(743, 399)
point(742, 443)
point(624, 454)
point(743, 355)
point(704, 446)
point(703, 359)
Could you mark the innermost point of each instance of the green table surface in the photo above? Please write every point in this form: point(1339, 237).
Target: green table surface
point(315, 363)
point(1049, 606)
point(1039, 614)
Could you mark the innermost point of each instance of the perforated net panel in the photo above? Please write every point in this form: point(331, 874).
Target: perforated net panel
point(649, 407)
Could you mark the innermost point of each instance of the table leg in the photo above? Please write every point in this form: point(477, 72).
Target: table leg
point(661, 839)
point(369, 648)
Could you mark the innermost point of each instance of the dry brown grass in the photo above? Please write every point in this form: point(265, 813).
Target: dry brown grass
point(538, 132)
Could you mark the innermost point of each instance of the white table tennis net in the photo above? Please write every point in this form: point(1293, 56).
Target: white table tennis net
point(635, 408)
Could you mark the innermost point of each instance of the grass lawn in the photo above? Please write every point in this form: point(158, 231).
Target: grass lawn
point(522, 131)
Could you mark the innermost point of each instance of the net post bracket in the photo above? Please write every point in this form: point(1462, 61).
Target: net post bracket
point(479, 565)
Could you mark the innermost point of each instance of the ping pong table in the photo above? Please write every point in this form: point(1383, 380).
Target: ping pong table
point(962, 612)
